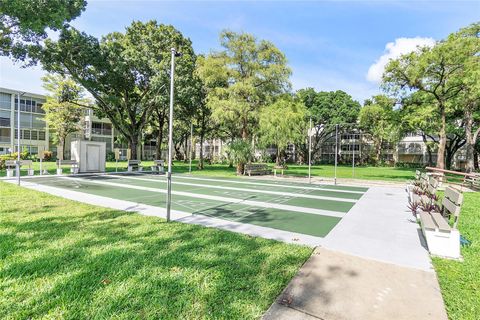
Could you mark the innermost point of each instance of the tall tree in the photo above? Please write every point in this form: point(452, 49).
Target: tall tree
point(379, 118)
point(251, 74)
point(211, 74)
point(120, 71)
point(158, 39)
point(63, 109)
point(327, 109)
point(282, 123)
point(466, 44)
point(418, 115)
point(433, 71)
point(24, 23)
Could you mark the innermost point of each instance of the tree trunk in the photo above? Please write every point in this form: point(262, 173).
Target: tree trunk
point(62, 147)
point(200, 162)
point(277, 162)
point(378, 153)
point(475, 160)
point(470, 166)
point(429, 150)
point(132, 145)
point(442, 140)
point(475, 151)
point(240, 168)
point(185, 148)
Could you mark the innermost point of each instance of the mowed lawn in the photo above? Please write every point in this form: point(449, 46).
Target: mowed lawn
point(460, 281)
point(223, 170)
point(61, 259)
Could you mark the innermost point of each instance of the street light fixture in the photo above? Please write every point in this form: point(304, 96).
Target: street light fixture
point(170, 133)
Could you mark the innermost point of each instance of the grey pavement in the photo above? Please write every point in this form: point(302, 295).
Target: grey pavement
point(338, 286)
point(380, 227)
point(372, 265)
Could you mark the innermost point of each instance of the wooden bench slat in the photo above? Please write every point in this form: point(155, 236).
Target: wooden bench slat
point(427, 221)
point(454, 196)
point(440, 221)
point(451, 207)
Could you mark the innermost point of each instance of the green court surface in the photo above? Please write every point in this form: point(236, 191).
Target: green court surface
point(296, 207)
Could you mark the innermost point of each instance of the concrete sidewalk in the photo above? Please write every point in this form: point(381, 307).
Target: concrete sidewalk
point(380, 227)
point(372, 265)
point(338, 286)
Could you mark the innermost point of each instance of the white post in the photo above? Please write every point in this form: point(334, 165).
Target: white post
point(310, 152)
point(353, 157)
point(18, 140)
point(191, 147)
point(170, 136)
point(336, 152)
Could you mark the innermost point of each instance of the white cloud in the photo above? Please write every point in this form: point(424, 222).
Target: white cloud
point(394, 50)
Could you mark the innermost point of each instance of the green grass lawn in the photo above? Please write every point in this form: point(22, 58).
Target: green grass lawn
point(327, 171)
point(460, 281)
point(61, 259)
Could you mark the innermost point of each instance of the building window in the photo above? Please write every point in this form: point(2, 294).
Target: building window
point(25, 134)
point(41, 135)
point(34, 135)
point(5, 134)
point(5, 101)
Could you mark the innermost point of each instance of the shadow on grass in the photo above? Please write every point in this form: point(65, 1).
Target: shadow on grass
point(72, 261)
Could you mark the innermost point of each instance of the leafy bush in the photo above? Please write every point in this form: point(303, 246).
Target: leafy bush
point(5, 157)
point(110, 156)
point(47, 155)
point(239, 152)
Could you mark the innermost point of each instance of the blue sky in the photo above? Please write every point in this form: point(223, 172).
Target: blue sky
point(330, 45)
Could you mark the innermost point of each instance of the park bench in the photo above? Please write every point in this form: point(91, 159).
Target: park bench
point(158, 166)
point(430, 187)
point(280, 168)
point(473, 181)
point(442, 239)
point(411, 184)
point(11, 165)
point(72, 163)
point(134, 165)
point(256, 168)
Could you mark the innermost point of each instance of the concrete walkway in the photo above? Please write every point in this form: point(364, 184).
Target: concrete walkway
point(337, 286)
point(372, 265)
point(381, 227)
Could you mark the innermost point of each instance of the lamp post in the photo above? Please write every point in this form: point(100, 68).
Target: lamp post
point(170, 133)
point(191, 147)
point(310, 152)
point(18, 137)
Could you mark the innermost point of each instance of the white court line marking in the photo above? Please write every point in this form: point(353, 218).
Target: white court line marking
point(222, 199)
point(278, 193)
point(265, 184)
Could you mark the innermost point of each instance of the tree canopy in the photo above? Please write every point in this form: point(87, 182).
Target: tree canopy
point(24, 24)
point(247, 75)
point(126, 73)
point(64, 108)
point(283, 123)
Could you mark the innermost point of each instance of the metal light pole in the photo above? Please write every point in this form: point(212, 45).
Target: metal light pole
point(18, 138)
point(310, 152)
point(336, 151)
point(170, 134)
point(353, 156)
point(191, 147)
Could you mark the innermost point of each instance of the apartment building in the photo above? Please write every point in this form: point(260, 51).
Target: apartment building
point(34, 133)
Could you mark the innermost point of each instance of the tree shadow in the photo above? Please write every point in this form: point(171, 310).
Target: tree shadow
point(108, 263)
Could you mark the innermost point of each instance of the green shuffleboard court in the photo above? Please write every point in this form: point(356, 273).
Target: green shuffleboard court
point(295, 207)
